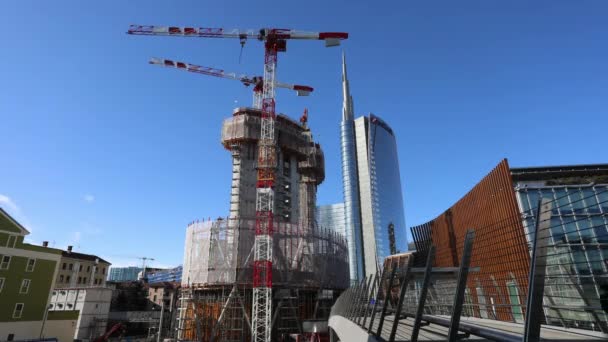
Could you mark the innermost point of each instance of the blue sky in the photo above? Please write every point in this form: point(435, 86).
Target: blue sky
point(105, 152)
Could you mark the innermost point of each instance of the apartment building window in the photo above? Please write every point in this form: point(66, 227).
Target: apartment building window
point(79, 280)
point(1, 284)
point(11, 241)
point(80, 268)
point(61, 278)
point(18, 310)
point(95, 281)
point(84, 280)
point(88, 268)
point(6, 262)
point(103, 271)
point(64, 266)
point(71, 267)
point(67, 279)
point(31, 263)
point(25, 286)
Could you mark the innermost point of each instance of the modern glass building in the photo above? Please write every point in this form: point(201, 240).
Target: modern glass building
point(169, 275)
point(502, 210)
point(380, 196)
point(124, 273)
point(578, 248)
point(373, 200)
point(331, 217)
point(350, 181)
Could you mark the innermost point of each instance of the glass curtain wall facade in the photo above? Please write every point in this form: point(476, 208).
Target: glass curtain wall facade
point(373, 201)
point(124, 273)
point(381, 200)
point(387, 198)
point(170, 275)
point(578, 253)
point(331, 217)
point(350, 182)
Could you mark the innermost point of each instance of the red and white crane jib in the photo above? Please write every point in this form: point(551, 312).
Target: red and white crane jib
point(301, 90)
point(330, 38)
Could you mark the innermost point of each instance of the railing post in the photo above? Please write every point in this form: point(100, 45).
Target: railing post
point(351, 298)
point(538, 264)
point(378, 293)
point(386, 300)
point(355, 301)
point(371, 293)
point(423, 291)
point(404, 284)
point(461, 285)
point(365, 299)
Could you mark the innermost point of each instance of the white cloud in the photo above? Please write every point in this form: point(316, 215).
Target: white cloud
point(9, 205)
point(89, 198)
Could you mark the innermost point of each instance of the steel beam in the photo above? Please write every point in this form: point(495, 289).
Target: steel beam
point(461, 285)
point(538, 266)
point(423, 292)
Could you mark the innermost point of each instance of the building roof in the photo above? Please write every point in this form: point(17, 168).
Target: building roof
point(550, 172)
point(8, 223)
point(165, 284)
point(82, 256)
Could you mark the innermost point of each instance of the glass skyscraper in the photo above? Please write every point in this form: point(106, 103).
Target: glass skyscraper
point(373, 201)
point(331, 217)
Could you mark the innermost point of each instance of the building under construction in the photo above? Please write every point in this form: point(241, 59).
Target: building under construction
point(309, 263)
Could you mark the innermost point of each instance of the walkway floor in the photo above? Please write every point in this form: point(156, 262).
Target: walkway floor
point(437, 332)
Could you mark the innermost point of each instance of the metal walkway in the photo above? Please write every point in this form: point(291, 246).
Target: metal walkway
point(481, 297)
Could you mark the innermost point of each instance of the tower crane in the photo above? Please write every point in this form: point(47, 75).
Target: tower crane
point(256, 81)
point(143, 264)
point(275, 41)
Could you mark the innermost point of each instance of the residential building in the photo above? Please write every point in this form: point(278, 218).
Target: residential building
point(373, 199)
point(331, 217)
point(81, 270)
point(165, 295)
point(120, 274)
point(168, 275)
point(89, 307)
point(27, 275)
point(501, 209)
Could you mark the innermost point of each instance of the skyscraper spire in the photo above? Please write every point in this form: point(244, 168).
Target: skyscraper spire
point(347, 105)
point(350, 182)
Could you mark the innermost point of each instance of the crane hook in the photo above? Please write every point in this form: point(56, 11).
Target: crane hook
point(242, 40)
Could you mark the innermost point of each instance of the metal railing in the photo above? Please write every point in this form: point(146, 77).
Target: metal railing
point(557, 278)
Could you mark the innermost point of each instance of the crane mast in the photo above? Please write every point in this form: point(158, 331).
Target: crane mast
point(275, 41)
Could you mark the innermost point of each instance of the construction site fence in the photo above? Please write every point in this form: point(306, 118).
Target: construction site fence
point(220, 252)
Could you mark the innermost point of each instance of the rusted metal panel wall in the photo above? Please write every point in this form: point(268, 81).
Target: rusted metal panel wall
point(500, 249)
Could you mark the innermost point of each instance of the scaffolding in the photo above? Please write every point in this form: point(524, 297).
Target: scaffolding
point(310, 268)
